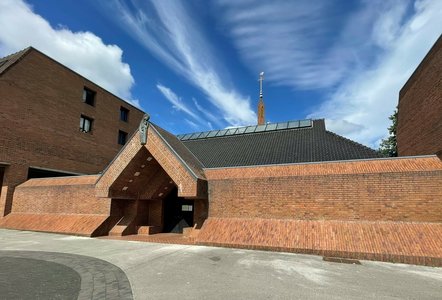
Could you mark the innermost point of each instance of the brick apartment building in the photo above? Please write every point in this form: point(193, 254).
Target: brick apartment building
point(55, 122)
point(289, 186)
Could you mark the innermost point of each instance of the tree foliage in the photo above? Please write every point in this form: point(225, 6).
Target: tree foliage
point(388, 146)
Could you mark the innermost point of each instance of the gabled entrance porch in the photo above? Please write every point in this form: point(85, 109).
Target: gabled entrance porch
point(153, 189)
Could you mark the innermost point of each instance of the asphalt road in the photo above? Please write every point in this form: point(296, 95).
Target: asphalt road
point(158, 271)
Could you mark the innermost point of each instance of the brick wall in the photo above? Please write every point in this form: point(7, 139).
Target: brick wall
point(419, 130)
point(39, 120)
point(156, 213)
point(64, 205)
point(385, 209)
point(63, 195)
point(408, 189)
point(403, 242)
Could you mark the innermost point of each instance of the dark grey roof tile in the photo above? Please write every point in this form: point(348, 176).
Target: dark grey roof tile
point(300, 145)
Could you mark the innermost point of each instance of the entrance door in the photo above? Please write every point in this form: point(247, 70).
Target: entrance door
point(178, 213)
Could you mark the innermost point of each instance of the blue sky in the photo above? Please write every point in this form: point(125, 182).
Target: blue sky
point(194, 65)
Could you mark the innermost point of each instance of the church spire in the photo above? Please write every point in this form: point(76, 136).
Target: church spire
point(261, 114)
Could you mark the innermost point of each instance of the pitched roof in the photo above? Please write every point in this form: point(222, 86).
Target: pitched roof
point(7, 61)
point(278, 146)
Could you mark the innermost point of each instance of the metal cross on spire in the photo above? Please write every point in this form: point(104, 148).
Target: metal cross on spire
point(261, 78)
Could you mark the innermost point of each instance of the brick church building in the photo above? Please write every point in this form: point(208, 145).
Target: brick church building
point(290, 186)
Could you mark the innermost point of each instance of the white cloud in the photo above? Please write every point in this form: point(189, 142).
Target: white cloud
point(84, 52)
point(192, 124)
point(358, 60)
point(207, 114)
point(167, 30)
point(286, 40)
point(368, 97)
point(176, 101)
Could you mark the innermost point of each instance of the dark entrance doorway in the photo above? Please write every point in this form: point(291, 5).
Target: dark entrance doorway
point(178, 213)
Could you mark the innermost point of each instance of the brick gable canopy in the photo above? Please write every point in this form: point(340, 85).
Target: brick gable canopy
point(283, 146)
point(162, 163)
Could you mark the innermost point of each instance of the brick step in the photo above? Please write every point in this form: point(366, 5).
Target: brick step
point(148, 230)
point(123, 227)
point(118, 230)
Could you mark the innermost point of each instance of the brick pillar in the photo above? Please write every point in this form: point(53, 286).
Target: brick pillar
point(201, 212)
point(156, 213)
point(13, 176)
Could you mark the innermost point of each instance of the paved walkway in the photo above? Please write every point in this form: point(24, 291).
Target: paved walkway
point(164, 271)
point(52, 275)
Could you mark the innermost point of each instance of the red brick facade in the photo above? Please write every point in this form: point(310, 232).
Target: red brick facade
point(419, 130)
point(407, 189)
point(372, 209)
point(403, 242)
point(65, 204)
point(41, 105)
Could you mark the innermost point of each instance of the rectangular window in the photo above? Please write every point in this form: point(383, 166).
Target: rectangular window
point(186, 207)
point(124, 114)
point(85, 124)
point(88, 96)
point(122, 137)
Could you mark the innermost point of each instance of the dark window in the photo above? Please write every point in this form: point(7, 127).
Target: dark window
point(124, 114)
point(85, 124)
point(89, 96)
point(122, 137)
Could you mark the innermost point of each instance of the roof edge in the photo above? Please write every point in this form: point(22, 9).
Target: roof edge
point(177, 155)
point(327, 162)
point(351, 141)
point(21, 54)
point(426, 60)
point(31, 48)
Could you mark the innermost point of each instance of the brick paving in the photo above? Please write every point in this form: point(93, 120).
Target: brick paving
point(98, 279)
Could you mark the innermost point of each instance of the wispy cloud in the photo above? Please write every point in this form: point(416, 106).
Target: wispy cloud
point(176, 101)
point(167, 29)
point(84, 52)
point(358, 60)
point(192, 124)
point(367, 97)
point(207, 114)
point(287, 39)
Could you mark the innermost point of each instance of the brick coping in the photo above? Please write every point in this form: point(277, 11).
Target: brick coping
point(329, 162)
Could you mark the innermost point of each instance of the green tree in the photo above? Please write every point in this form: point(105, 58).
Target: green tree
point(388, 146)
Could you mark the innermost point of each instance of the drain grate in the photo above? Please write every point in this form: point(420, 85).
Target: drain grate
point(341, 260)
